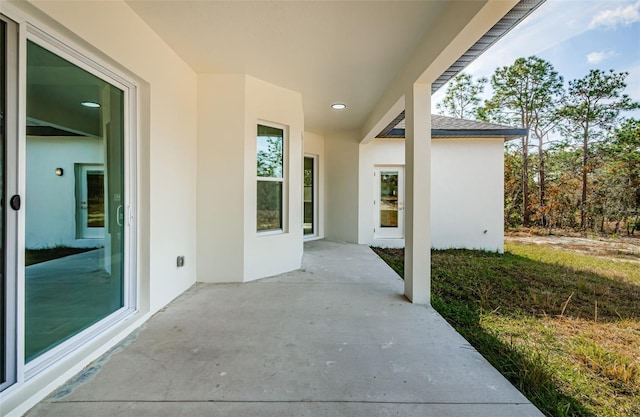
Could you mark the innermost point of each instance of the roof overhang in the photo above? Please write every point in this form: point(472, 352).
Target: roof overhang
point(516, 15)
point(510, 20)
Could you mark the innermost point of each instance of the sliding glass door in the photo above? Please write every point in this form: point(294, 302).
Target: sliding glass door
point(75, 200)
point(65, 178)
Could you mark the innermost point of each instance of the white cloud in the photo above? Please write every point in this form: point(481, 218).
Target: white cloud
point(598, 57)
point(620, 16)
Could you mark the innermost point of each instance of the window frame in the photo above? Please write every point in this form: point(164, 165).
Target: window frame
point(284, 180)
point(316, 197)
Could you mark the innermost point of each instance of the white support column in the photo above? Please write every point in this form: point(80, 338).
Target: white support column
point(417, 255)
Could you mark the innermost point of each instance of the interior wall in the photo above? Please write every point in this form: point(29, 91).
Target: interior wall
point(342, 161)
point(220, 190)
point(269, 254)
point(467, 194)
point(314, 145)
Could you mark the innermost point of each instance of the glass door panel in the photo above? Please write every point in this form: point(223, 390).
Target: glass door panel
point(309, 196)
point(389, 202)
point(388, 198)
point(74, 237)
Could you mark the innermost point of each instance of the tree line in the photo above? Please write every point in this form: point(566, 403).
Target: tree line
point(579, 166)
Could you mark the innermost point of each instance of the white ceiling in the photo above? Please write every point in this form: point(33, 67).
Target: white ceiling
point(330, 51)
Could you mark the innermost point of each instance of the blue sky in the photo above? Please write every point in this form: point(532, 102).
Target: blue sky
point(574, 36)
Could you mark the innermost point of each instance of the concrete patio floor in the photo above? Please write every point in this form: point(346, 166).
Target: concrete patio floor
point(336, 338)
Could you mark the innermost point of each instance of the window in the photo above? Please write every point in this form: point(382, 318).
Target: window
point(310, 210)
point(270, 178)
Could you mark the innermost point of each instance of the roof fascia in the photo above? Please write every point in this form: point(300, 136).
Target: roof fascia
point(476, 133)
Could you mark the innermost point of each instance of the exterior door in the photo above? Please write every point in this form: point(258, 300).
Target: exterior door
point(67, 179)
point(389, 202)
point(90, 209)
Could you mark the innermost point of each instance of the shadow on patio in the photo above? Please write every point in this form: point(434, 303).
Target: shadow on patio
point(336, 338)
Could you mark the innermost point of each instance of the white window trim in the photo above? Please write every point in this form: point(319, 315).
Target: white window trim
point(284, 180)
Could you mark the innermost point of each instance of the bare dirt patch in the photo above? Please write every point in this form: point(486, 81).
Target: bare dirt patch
point(622, 248)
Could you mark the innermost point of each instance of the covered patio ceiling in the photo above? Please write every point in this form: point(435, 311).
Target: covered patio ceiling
point(330, 51)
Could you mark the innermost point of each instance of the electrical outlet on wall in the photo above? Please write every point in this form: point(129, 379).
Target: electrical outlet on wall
point(180, 261)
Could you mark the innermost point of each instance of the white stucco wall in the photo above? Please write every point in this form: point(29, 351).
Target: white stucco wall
point(314, 145)
point(466, 192)
point(270, 254)
point(230, 248)
point(342, 161)
point(50, 200)
point(221, 159)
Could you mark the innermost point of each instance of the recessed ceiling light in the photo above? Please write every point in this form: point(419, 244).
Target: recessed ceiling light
point(90, 104)
point(338, 106)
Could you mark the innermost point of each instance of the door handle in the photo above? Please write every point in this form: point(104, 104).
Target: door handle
point(119, 216)
point(15, 202)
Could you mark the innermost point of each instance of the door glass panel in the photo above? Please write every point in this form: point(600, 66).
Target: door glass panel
point(388, 199)
point(73, 263)
point(309, 196)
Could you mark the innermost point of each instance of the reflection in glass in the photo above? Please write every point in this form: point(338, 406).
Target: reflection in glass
point(270, 157)
point(309, 196)
point(269, 205)
point(95, 199)
point(389, 199)
point(73, 279)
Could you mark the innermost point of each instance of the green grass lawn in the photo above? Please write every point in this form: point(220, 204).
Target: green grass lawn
point(563, 327)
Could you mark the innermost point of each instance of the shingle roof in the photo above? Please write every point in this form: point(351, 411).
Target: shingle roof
point(452, 127)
